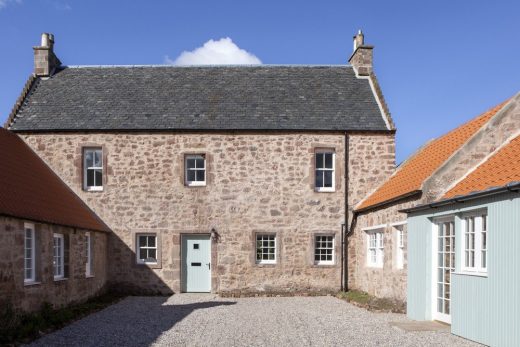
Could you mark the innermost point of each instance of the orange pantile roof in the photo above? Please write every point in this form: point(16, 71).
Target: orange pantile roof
point(497, 171)
point(413, 172)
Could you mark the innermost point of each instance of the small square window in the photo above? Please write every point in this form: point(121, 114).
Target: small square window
point(195, 246)
point(147, 249)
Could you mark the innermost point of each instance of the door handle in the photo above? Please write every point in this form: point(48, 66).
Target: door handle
point(209, 265)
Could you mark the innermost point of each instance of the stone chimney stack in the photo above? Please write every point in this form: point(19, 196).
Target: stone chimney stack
point(45, 61)
point(361, 58)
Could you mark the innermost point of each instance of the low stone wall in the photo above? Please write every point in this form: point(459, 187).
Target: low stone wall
point(76, 287)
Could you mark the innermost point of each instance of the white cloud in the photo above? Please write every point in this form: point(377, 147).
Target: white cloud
point(220, 52)
point(4, 3)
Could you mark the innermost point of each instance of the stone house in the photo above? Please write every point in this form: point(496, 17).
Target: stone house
point(377, 244)
point(470, 276)
point(224, 179)
point(53, 246)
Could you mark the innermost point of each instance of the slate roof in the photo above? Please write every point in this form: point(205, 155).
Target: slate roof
point(409, 177)
point(29, 189)
point(500, 169)
point(201, 98)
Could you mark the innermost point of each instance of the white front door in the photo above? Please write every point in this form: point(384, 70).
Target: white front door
point(196, 263)
point(444, 265)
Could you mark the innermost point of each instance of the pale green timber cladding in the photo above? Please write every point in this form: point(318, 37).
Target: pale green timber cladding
point(484, 309)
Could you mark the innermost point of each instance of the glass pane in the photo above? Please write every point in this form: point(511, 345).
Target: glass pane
point(328, 160)
point(98, 158)
point(142, 253)
point(328, 179)
point(319, 178)
point(447, 306)
point(151, 241)
point(439, 305)
point(199, 163)
point(142, 241)
point(90, 178)
point(191, 175)
point(190, 163)
point(319, 160)
point(152, 255)
point(89, 160)
point(98, 178)
point(200, 175)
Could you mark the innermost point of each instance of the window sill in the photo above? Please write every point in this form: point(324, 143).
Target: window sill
point(149, 265)
point(31, 283)
point(324, 190)
point(87, 189)
point(469, 273)
point(324, 265)
point(61, 279)
point(265, 264)
point(195, 185)
point(376, 267)
point(89, 276)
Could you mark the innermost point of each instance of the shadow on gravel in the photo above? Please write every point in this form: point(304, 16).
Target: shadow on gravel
point(135, 321)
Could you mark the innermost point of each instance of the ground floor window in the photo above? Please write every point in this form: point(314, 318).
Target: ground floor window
point(88, 253)
point(375, 252)
point(29, 253)
point(58, 256)
point(266, 249)
point(146, 249)
point(324, 249)
point(400, 234)
point(474, 227)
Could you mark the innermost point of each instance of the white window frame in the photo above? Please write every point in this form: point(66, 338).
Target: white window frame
point(399, 244)
point(57, 257)
point(186, 170)
point(32, 278)
point(321, 170)
point(87, 168)
point(477, 249)
point(376, 247)
point(88, 249)
point(316, 249)
point(139, 247)
point(260, 237)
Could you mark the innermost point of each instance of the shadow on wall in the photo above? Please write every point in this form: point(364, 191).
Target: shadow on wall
point(128, 277)
point(135, 321)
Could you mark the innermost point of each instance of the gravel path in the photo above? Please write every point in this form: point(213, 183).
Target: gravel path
point(205, 319)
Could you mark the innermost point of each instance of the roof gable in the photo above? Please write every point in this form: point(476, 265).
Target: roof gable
point(409, 177)
point(29, 189)
point(201, 98)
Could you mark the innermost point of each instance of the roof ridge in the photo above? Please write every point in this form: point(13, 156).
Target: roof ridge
point(205, 66)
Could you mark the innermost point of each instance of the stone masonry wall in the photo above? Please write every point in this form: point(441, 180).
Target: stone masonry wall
point(256, 182)
point(75, 288)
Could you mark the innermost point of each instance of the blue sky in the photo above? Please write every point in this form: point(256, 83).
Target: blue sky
point(439, 63)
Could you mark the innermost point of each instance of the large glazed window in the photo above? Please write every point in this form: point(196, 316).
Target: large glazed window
point(29, 254)
point(474, 228)
point(195, 170)
point(88, 253)
point(266, 249)
point(93, 169)
point(324, 170)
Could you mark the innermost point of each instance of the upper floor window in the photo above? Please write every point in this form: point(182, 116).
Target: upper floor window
point(475, 242)
point(324, 250)
point(29, 253)
point(195, 166)
point(375, 254)
point(324, 170)
point(93, 169)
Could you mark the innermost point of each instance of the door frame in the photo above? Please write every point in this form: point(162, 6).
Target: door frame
point(442, 317)
point(182, 260)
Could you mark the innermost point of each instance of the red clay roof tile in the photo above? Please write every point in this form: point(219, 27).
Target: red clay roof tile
point(29, 189)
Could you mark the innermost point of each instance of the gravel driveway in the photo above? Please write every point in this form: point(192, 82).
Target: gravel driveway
point(204, 319)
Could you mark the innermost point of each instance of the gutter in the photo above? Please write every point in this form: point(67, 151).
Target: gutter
point(510, 187)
